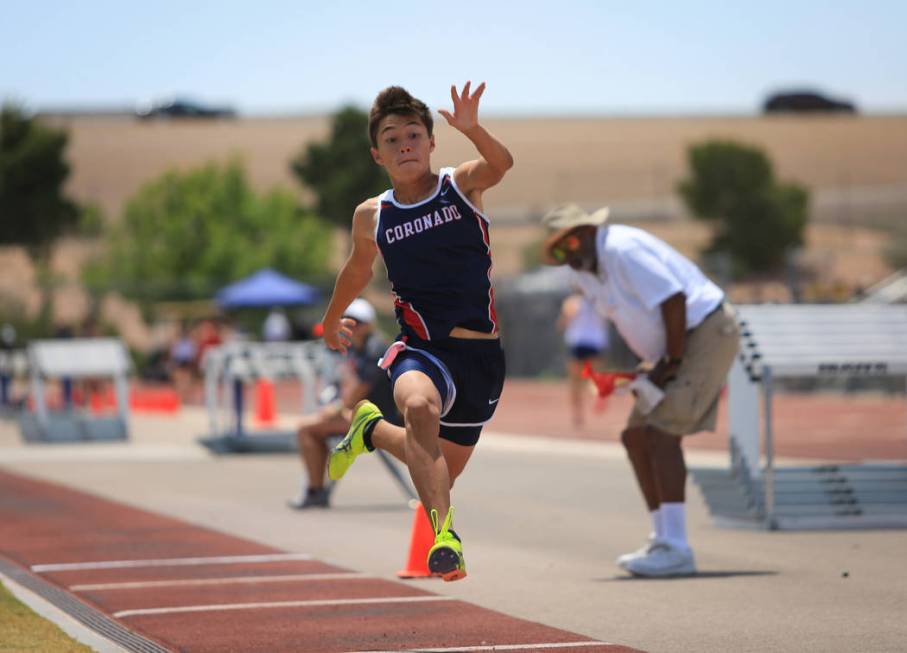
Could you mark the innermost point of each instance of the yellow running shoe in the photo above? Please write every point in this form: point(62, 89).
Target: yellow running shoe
point(445, 558)
point(353, 443)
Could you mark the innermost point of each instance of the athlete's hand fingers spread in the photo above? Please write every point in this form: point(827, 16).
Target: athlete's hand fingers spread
point(339, 339)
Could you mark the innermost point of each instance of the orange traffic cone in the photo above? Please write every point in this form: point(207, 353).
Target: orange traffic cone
point(421, 540)
point(264, 401)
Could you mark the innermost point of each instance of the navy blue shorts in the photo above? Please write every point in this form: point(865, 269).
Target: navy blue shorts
point(469, 376)
point(583, 352)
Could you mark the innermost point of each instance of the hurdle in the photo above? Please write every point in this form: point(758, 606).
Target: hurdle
point(228, 368)
point(83, 358)
point(780, 342)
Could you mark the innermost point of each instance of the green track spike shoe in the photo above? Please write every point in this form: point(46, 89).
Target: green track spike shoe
point(353, 443)
point(445, 558)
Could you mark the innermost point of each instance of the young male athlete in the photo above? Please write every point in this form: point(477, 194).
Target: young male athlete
point(447, 366)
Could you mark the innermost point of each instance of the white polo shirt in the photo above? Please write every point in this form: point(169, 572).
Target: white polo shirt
point(637, 272)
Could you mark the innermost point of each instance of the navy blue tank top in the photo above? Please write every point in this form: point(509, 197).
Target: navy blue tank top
point(438, 260)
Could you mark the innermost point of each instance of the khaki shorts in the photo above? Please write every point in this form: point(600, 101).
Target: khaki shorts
point(690, 403)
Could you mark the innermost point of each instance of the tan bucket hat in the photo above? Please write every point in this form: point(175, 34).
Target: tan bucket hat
point(564, 219)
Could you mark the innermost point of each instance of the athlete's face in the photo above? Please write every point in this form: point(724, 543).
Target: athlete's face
point(404, 147)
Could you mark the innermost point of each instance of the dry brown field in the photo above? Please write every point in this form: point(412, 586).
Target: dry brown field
point(592, 161)
point(633, 164)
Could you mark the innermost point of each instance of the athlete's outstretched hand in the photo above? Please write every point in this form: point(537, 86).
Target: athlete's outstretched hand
point(338, 335)
point(465, 115)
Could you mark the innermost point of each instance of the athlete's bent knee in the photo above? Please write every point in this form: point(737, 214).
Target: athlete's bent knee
point(420, 409)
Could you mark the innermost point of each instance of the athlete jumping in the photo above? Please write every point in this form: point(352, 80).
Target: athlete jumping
point(447, 365)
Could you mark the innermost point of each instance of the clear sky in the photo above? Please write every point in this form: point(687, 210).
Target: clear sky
point(561, 56)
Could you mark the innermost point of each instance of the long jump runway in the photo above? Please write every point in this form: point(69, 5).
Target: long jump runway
point(152, 583)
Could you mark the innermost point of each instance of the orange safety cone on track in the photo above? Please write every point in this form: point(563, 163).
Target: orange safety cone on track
point(264, 401)
point(421, 540)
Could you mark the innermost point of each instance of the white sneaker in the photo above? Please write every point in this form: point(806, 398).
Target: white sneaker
point(663, 559)
point(623, 560)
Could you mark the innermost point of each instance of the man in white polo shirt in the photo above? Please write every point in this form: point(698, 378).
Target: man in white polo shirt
point(678, 322)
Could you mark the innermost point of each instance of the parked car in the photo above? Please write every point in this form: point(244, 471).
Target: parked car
point(806, 102)
point(182, 108)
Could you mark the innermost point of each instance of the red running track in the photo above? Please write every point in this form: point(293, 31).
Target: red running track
point(197, 590)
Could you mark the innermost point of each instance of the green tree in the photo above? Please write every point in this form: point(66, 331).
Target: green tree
point(183, 235)
point(341, 171)
point(756, 220)
point(34, 207)
point(92, 221)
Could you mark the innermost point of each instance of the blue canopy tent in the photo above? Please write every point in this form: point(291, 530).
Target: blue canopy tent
point(266, 288)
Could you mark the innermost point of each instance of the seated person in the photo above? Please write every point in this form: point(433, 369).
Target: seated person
point(360, 379)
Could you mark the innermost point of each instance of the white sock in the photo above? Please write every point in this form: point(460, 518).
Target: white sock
point(674, 522)
point(657, 527)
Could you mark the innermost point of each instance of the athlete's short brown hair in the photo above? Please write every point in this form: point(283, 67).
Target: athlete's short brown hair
point(396, 100)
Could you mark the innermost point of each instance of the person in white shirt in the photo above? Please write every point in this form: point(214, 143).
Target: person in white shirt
point(585, 335)
point(680, 325)
point(276, 327)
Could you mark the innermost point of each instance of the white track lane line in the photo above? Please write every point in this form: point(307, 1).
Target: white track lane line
point(169, 562)
point(215, 581)
point(494, 647)
point(279, 604)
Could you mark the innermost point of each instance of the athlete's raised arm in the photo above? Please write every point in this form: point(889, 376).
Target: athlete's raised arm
point(353, 276)
point(474, 177)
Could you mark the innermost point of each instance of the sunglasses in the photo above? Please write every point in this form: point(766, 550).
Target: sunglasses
point(566, 247)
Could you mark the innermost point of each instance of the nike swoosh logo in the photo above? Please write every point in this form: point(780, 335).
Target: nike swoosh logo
point(493, 401)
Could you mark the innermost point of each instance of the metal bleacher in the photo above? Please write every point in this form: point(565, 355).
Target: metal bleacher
point(780, 342)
